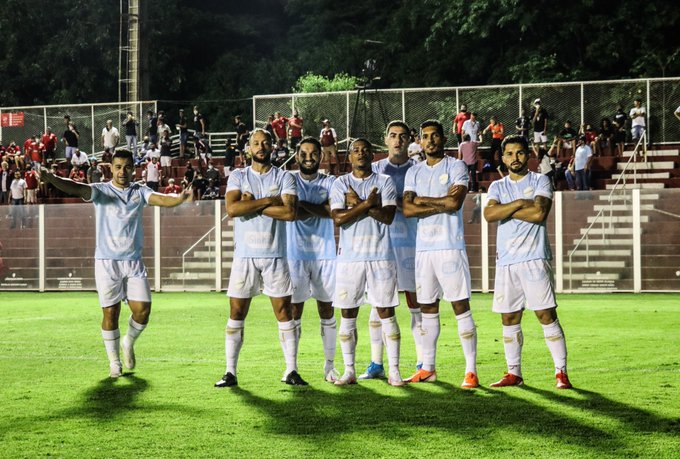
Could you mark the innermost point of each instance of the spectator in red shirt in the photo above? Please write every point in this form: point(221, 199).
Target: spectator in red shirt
point(279, 125)
point(32, 179)
point(497, 135)
point(14, 155)
point(49, 141)
point(172, 188)
point(34, 153)
point(295, 124)
point(458, 121)
point(77, 175)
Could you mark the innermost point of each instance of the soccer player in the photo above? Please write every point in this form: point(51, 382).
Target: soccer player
point(261, 199)
point(119, 271)
point(403, 238)
point(311, 248)
point(363, 205)
point(520, 202)
point(434, 192)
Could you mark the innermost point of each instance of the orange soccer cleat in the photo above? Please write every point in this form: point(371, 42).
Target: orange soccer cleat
point(508, 379)
point(471, 381)
point(423, 376)
point(563, 381)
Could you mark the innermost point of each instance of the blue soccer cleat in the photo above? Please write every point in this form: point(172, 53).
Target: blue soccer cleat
point(374, 371)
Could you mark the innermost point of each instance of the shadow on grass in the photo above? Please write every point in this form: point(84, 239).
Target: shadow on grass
point(469, 415)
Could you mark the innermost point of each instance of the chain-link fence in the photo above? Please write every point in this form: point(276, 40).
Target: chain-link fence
point(366, 112)
point(89, 120)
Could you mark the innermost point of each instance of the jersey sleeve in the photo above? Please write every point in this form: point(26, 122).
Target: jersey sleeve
point(410, 180)
point(460, 173)
point(543, 188)
point(388, 194)
point(95, 194)
point(146, 192)
point(234, 181)
point(288, 185)
point(494, 192)
point(337, 199)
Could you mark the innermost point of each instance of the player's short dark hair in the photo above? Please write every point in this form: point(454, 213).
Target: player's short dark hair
point(397, 123)
point(262, 131)
point(433, 123)
point(514, 138)
point(308, 139)
point(361, 139)
point(123, 154)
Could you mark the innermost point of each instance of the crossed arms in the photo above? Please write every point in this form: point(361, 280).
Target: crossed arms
point(358, 209)
point(532, 211)
point(424, 206)
point(280, 207)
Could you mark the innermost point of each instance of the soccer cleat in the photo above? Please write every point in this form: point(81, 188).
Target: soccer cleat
point(471, 381)
point(563, 381)
point(115, 370)
point(332, 375)
point(508, 379)
point(348, 378)
point(395, 379)
point(227, 380)
point(373, 371)
point(423, 376)
point(294, 379)
point(128, 353)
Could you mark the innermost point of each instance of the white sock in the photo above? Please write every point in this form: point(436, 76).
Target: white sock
point(554, 338)
point(328, 337)
point(112, 345)
point(233, 340)
point(376, 332)
point(468, 340)
point(416, 321)
point(513, 339)
point(429, 329)
point(392, 342)
point(298, 328)
point(289, 344)
point(348, 341)
point(134, 330)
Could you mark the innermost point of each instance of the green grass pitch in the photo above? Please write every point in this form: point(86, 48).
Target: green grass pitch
point(56, 399)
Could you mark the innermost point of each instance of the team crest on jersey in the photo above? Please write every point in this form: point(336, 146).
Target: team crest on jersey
point(443, 179)
point(528, 191)
point(135, 198)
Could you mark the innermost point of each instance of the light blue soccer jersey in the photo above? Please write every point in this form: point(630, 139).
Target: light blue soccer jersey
point(255, 235)
point(439, 231)
point(118, 213)
point(402, 230)
point(366, 239)
point(517, 240)
point(314, 237)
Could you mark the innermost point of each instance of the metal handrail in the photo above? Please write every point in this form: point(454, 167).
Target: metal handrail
point(622, 178)
point(193, 246)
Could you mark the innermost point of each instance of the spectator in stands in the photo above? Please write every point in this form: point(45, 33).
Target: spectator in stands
point(462, 116)
point(523, 124)
point(212, 192)
point(539, 119)
point(50, 190)
point(582, 159)
point(76, 174)
point(110, 136)
point(566, 139)
point(241, 133)
point(269, 127)
point(605, 137)
point(230, 153)
point(212, 173)
point(172, 188)
point(204, 153)
point(32, 179)
point(415, 150)
point(34, 153)
point(152, 126)
point(226, 171)
point(591, 136)
point(638, 116)
point(152, 152)
point(14, 155)
point(280, 154)
point(296, 130)
point(5, 182)
point(106, 156)
point(199, 123)
point(153, 173)
point(166, 153)
point(467, 152)
point(199, 185)
point(471, 127)
point(475, 217)
point(162, 126)
point(188, 176)
point(329, 142)
point(279, 125)
point(497, 134)
point(182, 127)
point(545, 166)
point(95, 173)
point(619, 126)
point(80, 160)
point(17, 191)
point(70, 139)
point(49, 141)
point(131, 132)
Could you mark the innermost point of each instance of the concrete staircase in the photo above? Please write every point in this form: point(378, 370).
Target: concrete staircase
point(659, 171)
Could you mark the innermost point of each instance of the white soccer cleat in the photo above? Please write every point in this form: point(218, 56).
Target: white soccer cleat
point(332, 375)
point(348, 378)
point(115, 370)
point(395, 379)
point(128, 353)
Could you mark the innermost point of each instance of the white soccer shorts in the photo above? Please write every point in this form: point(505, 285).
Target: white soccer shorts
point(528, 284)
point(377, 280)
point(312, 279)
point(540, 137)
point(406, 268)
point(248, 275)
point(118, 280)
point(166, 161)
point(442, 274)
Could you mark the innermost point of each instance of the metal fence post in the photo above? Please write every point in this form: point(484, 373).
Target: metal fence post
point(41, 247)
point(403, 106)
point(347, 119)
point(218, 245)
point(157, 248)
point(637, 240)
point(582, 107)
point(519, 105)
point(254, 112)
point(559, 242)
point(647, 124)
point(92, 150)
point(485, 248)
